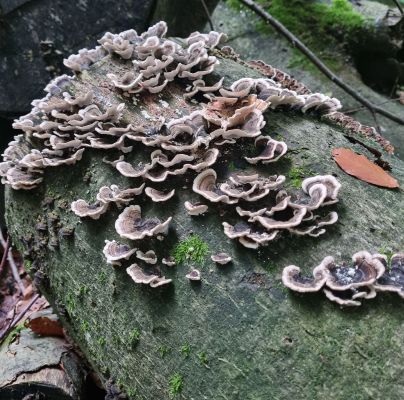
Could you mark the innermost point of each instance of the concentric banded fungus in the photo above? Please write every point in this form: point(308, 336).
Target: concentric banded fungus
point(341, 283)
point(131, 225)
point(393, 279)
point(364, 272)
point(139, 276)
point(158, 196)
point(292, 278)
point(221, 258)
point(194, 275)
point(195, 208)
point(149, 257)
point(114, 252)
point(61, 127)
point(273, 150)
point(169, 261)
point(83, 209)
point(114, 194)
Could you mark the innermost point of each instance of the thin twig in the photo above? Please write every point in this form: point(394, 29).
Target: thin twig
point(399, 6)
point(5, 253)
point(317, 62)
point(205, 7)
point(353, 110)
point(14, 270)
point(17, 319)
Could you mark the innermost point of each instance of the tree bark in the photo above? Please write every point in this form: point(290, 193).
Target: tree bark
point(249, 338)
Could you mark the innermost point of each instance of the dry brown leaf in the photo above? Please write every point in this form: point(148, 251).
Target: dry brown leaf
point(362, 168)
point(45, 323)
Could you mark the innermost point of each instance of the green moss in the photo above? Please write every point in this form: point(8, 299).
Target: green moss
point(191, 249)
point(84, 326)
point(70, 304)
point(102, 277)
point(321, 26)
point(175, 385)
point(185, 350)
point(387, 252)
point(13, 334)
point(163, 350)
point(134, 336)
point(296, 176)
point(27, 265)
point(203, 358)
point(102, 341)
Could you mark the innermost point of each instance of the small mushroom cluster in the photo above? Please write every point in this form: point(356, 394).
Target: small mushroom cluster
point(156, 60)
point(276, 209)
point(347, 284)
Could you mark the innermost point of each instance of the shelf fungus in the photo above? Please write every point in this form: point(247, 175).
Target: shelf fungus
point(131, 225)
point(347, 284)
point(155, 111)
point(157, 196)
point(138, 275)
point(83, 209)
point(149, 257)
point(115, 252)
point(194, 275)
point(221, 258)
point(393, 279)
point(169, 261)
point(195, 208)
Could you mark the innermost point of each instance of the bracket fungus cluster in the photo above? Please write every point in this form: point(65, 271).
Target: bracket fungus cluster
point(209, 120)
point(348, 284)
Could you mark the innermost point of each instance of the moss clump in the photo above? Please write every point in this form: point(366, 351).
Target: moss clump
point(175, 385)
point(191, 249)
point(296, 176)
point(13, 334)
point(185, 350)
point(27, 265)
point(163, 350)
point(321, 26)
point(134, 336)
point(203, 358)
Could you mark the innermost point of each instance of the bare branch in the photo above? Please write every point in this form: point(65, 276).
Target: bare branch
point(317, 62)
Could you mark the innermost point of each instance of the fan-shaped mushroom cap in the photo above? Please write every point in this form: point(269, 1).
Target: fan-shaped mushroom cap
point(330, 182)
point(83, 209)
point(221, 258)
point(194, 275)
point(337, 297)
point(246, 236)
point(114, 252)
point(139, 276)
point(292, 278)
point(205, 185)
point(169, 261)
point(272, 152)
point(195, 208)
point(149, 257)
point(271, 223)
point(158, 196)
point(364, 271)
point(131, 225)
point(393, 279)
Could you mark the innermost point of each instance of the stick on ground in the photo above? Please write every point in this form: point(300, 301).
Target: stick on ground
point(296, 42)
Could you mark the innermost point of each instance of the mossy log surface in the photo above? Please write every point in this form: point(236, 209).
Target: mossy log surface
point(248, 337)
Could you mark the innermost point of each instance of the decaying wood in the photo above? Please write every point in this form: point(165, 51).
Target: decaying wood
point(257, 340)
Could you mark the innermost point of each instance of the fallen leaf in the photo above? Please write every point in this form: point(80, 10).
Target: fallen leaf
point(45, 323)
point(362, 168)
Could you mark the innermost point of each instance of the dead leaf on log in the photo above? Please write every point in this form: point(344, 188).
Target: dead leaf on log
point(362, 168)
point(45, 323)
